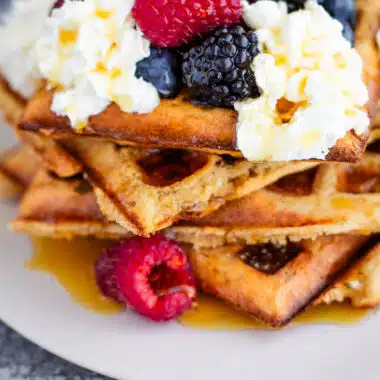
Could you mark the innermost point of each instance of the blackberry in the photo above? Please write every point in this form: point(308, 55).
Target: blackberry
point(163, 69)
point(218, 71)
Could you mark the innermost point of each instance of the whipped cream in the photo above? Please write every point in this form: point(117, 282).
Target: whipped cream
point(89, 51)
point(311, 85)
point(21, 27)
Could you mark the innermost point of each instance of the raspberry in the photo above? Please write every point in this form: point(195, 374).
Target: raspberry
point(218, 71)
point(171, 22)
point(152, 275)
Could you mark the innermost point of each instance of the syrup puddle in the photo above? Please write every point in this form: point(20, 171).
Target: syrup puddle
point(213, 314)
point(71, 262)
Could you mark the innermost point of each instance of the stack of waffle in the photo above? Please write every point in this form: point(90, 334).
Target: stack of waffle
point(268, 238)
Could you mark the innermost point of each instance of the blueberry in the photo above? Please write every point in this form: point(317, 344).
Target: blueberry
point(345, 12)
point(163, 69)
point(348, 33)
point(5, 6)
point(341, 9)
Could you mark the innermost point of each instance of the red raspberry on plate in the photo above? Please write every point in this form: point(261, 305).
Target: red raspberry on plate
point(169, 23)
point(152, 275)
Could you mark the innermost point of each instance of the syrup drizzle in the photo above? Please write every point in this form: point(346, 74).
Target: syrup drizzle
point(71, 262)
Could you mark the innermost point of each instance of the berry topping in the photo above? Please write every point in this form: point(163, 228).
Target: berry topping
point(171, 22)
point(162, 68)
point(218, 71)
point(345, 12)
point(152, 275)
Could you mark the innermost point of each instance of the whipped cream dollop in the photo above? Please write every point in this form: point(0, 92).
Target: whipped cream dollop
point(89, 51)
point(312, 92)
point(20, 28)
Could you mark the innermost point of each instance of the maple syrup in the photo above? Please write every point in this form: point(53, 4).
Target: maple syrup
point(71, 262)
point(342, 203)
point(213, 314)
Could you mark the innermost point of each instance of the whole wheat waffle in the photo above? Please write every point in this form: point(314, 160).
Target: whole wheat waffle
point(181, 125)
point(55, 157)
point(329, 199)
point(360, 285)
point(11, 104)
point(76, 214)
point(175, 124)
point(17, 169)
point(375, 130)
point(57, 208)
point(147, 190)
point(273, 282)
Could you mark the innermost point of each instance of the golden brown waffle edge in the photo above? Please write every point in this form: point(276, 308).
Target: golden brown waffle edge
point(55, 157)
point(76, 214)
point(18, 166)
point(178, 124)
point(123, 182)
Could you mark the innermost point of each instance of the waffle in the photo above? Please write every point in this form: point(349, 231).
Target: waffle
point(241, 275)
point(11, 104)
point(17, 169)
point(148, 190)
point(57, 208)
point(55, 157)
point(329, 199)
point(360, 285)
point(77, 214)
point(178, 124)
point(375, 130)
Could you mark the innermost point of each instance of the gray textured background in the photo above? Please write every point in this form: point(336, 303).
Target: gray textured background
point(22, 360)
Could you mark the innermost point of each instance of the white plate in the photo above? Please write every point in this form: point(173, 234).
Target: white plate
point(127, 347)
